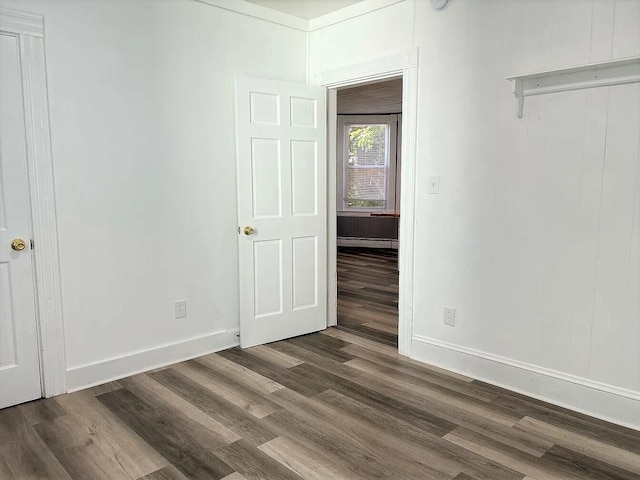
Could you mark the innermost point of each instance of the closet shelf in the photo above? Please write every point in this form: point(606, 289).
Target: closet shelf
point(613, 72)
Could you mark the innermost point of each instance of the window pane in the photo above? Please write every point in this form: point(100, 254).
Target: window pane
point(367, 145)
point(366, 170)
point(366, 187)
point(366, 203)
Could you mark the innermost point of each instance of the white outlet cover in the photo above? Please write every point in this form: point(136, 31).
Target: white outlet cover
point(181, 308)
point(450, 316)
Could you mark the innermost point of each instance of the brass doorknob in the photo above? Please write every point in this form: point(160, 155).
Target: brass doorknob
point(18, 244)
point(249, 230)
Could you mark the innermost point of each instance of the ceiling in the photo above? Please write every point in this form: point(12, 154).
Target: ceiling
point(306, 9)
point(382, 97)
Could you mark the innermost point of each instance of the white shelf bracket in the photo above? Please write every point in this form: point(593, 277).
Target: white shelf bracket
point(518, 92)
point(614, 72)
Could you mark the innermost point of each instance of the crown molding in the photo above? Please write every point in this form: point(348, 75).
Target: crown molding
point(32, 24)
point(258, 11)
point(280, 18)
point(347, 13)
point(22, 23)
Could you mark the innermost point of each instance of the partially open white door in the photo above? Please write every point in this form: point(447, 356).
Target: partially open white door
point(19, 361)
point(282, 165)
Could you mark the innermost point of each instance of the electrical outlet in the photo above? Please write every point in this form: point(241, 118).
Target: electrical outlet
point(450, 316)
point(181, 308)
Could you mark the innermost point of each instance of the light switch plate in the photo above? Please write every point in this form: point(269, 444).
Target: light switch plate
point(433, 184)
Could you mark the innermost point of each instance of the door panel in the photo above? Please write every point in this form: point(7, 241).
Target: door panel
point(281, 158)
point(305, 272)
point(267, 264)
point(19, 361)
point(304, 176)
point(266, 178)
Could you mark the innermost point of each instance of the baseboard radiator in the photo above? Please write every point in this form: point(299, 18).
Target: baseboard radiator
point(391, 243)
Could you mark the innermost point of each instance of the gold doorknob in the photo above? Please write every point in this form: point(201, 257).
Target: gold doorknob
point(18, 245)
point(249, 230)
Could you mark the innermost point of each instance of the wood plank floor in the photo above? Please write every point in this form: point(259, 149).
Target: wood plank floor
point(339, 404)
point(368, 293)
point(331, 405)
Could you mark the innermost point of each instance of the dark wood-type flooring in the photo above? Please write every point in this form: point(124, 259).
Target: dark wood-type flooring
point(331, 405)
point(368, 293)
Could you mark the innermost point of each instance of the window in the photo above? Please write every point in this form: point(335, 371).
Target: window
point(367, 163)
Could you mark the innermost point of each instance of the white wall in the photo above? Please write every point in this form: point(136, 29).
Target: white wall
point(142, 119)
point(535, 236)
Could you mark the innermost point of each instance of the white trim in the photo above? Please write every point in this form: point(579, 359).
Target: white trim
point(21, 23)
point(608, 402)
point(332, 220)
point(96, 373)
point(405, 64)
point(307, 58)
point(43, 208)
point(347, 13)
point(262, 13)
point(373, 70)
point(286, 20)
point(29, 29)
point(406, 234)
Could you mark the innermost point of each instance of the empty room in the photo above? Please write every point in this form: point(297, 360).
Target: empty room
point(319, 239)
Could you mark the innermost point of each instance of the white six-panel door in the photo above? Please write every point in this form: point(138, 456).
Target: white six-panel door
point(19, 361)
point(281, 159)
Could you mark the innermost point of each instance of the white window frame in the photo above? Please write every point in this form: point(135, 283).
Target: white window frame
point(345, 121)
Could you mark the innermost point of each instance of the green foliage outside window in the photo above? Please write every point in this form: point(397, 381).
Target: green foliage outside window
point(366, 142)
point(366, 166)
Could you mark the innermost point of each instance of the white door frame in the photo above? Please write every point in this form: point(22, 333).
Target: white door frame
point(403, 64)
point(29, 29)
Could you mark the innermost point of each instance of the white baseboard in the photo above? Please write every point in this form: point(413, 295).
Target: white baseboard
point(111, 369)
point(607, 402)
point(367, 242)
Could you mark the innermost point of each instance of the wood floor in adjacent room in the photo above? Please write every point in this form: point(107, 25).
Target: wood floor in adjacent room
point(331, 405)
point(368, 293)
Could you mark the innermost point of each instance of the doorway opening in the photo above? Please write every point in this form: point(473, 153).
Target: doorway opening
point(368, 186)
point(399, 65)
